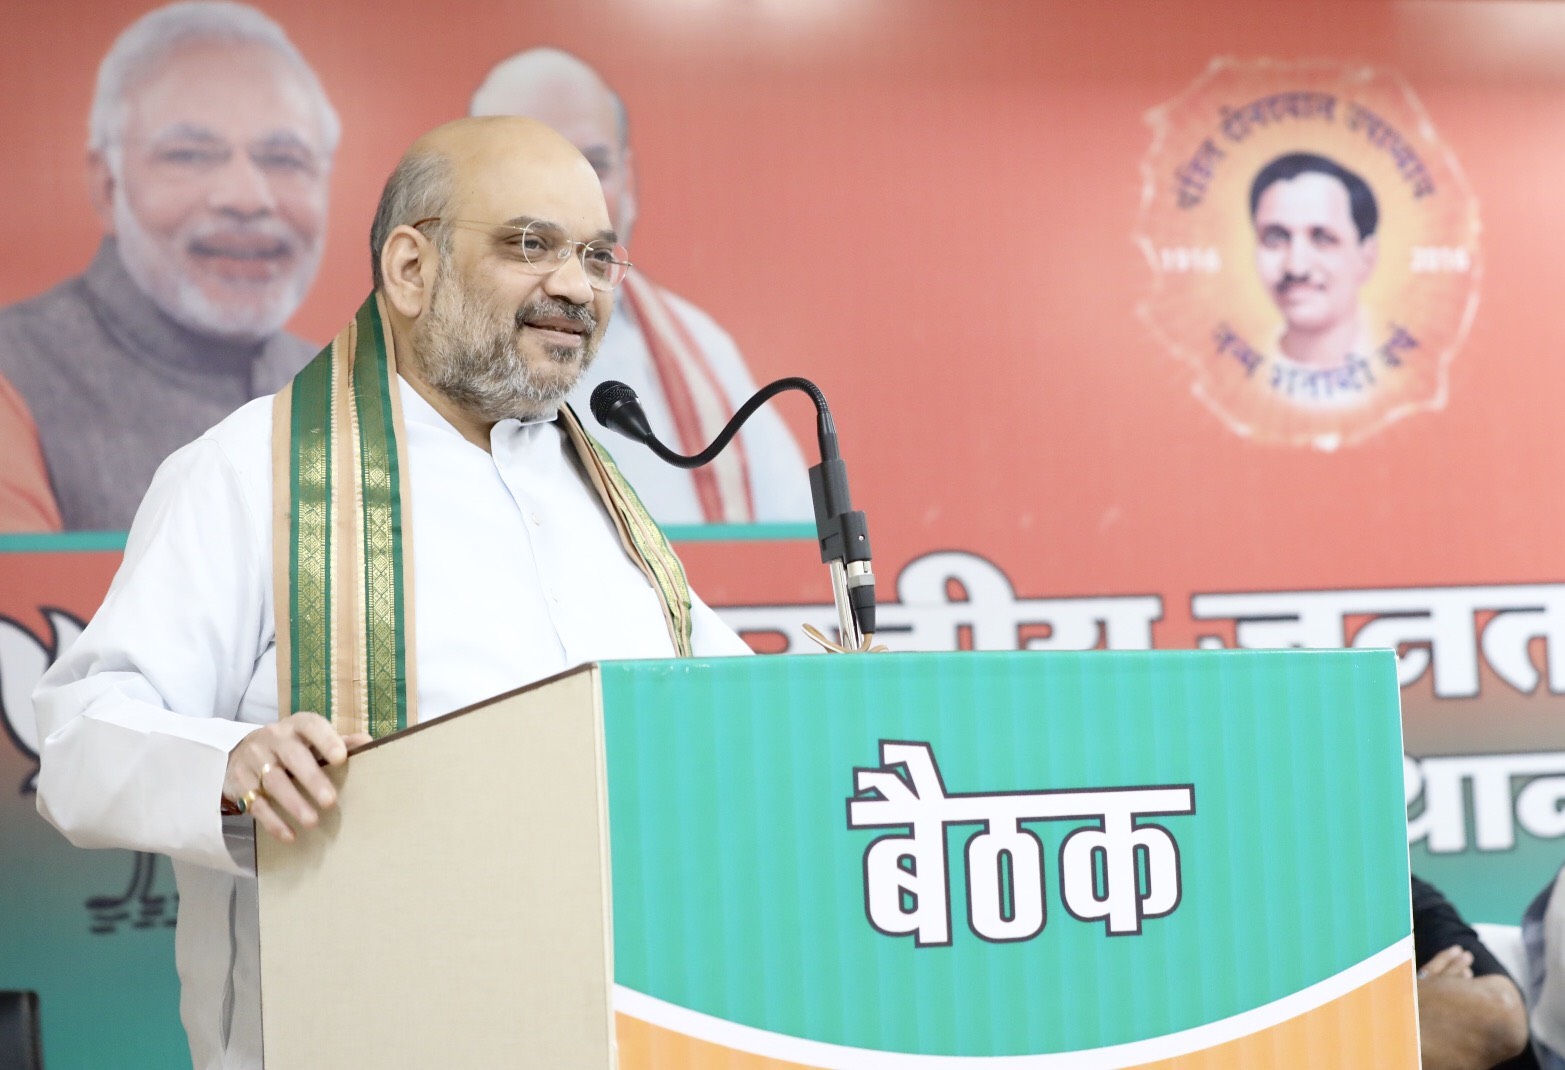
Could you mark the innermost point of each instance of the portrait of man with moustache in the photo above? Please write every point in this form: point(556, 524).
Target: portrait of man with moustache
point(1316, 247)
point(209, 153)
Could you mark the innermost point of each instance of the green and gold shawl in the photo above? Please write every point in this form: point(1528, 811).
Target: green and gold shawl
point(342, 541)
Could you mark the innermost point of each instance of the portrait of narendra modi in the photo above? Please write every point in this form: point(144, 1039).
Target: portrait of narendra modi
point(209, 152)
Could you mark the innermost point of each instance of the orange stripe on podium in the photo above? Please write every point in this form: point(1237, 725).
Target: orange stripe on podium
point(1370, 1028)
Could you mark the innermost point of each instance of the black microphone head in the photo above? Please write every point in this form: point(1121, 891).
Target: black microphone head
point(615, 406)
point(606, 396)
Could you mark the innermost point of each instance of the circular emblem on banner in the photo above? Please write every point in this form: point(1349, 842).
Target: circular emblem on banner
point(1313, 246)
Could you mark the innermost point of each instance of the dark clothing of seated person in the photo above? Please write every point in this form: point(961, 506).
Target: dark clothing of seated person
point(1470, 1012)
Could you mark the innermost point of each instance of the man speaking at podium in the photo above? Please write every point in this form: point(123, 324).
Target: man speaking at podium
point(415, 524)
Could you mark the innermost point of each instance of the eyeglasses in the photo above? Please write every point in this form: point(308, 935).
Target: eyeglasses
point(540, 248)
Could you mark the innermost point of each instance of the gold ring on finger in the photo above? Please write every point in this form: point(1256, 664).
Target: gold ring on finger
point(267, 768)
point(249, 797)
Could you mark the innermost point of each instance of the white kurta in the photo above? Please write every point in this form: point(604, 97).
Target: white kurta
point(779, 480)
point(518, 574)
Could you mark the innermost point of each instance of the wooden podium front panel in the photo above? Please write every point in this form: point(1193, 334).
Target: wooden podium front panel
point(417, 927)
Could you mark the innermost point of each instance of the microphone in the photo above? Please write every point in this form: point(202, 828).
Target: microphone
point(616, 406)
point(839, 528)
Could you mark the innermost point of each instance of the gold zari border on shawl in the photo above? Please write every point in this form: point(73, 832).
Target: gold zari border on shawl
point(638, 532)
point(340, 494)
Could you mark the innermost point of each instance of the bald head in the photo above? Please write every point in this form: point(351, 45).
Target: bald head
point(560, 90)
point(491, 169)
point(484, 138)
point(490, 153)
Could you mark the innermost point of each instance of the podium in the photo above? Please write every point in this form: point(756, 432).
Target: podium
point(920, 861)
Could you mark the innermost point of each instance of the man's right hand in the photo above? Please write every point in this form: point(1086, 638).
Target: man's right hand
point(282, 764)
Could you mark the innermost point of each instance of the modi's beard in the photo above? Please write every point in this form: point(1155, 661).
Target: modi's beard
point(258, 311)
point(472, 356)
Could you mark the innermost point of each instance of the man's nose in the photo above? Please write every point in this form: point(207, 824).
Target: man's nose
point(241, 188)
point(1299, 259)
point(569, 281)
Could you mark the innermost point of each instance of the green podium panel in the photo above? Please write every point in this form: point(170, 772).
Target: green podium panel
point(1017, 860)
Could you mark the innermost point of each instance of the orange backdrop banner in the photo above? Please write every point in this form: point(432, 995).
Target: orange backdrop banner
point(1146, 323)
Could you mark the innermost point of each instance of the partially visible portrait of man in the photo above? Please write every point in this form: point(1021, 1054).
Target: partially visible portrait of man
point(687, 371)
point(209, 152)
point(1315, 249)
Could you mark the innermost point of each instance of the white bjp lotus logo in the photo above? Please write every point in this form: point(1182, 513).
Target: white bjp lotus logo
point(23, 659)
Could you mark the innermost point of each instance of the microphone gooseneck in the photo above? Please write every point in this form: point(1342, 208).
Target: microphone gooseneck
point(840, 529)
point(616, 406)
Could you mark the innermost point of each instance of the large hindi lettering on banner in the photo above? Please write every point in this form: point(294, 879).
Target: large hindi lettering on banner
point(1012, 908)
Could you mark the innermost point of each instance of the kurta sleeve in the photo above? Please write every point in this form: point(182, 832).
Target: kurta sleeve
point(137, 717)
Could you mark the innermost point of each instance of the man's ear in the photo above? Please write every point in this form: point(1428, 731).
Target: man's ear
point(407, 267)
point(100, 188)
point(1369, 254)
